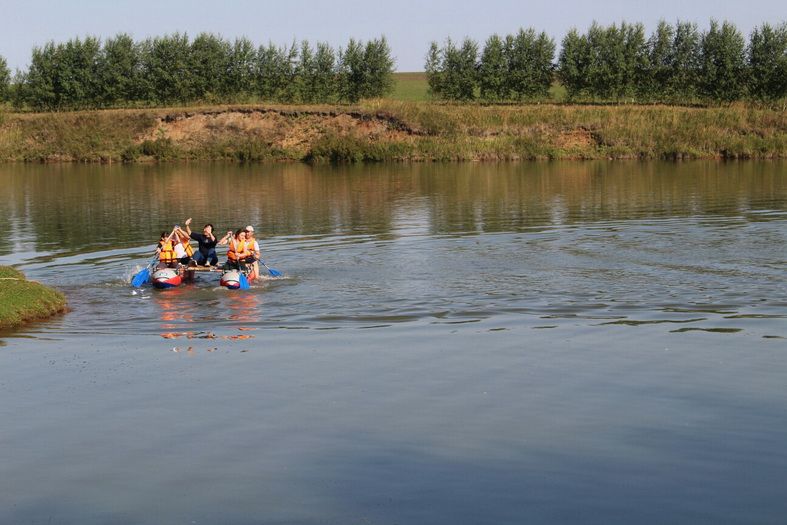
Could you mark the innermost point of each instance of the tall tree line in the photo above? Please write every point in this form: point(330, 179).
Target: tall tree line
point(89, 73)
point(514, 67)
point(676, 63)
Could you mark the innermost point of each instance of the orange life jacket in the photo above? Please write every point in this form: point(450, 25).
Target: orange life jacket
point(167, 253)
point(187, 247)
point(237, 250)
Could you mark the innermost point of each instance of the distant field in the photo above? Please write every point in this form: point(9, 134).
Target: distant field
point(410, 87)
point(413, 87)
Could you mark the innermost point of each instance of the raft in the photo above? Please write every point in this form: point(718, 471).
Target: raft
point(164, 278)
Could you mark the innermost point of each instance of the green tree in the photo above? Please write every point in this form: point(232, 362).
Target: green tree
point(289, 65)
point(76, 73)
point(685, 62)
point(616, 61)
point(38, 89)
point(63, 76)
point(306, 73)
point(574, 64)
point(660, 51)
point(16, 89)
point(518, 50)
point(434, 70)
point(166, 65)
point(276, 72)
point(269, 78)
point(459, 70)
point(529, 58)
point(118, 71)
point(242, 61)
point(723, 63)
point(352, 72)
point(209, 64)
point(379, 65)
point(767, 62)
point(5, 80)
point(493, 70)
point(325, 73)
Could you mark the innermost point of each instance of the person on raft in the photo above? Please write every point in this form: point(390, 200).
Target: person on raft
point(167, 258)
point(254, 247)
point(238, 250)
point(183, 250)
point(206, 253)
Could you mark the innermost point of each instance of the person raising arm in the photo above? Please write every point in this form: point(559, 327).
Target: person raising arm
point(206, 253)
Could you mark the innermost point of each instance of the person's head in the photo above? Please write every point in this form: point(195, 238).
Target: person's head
point(164, 235)
point(207, 229)
point(249, 232)
point(240, 234)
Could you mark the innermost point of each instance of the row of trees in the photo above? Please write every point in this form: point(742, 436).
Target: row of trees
point(515, 67)
point(617, 62)
point(89, 73)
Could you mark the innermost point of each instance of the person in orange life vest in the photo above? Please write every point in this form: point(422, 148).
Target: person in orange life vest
point(237, 250)
point(166, 252)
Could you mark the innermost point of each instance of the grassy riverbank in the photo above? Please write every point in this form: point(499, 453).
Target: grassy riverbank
point(388, 130)
point(22, 301)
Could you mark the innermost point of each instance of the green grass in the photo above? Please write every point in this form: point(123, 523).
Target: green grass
point(410, 87)
point(22, 301)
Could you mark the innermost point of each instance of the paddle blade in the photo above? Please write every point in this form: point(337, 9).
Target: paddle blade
point(274, 272)
point(141, 277)
point(244, 282)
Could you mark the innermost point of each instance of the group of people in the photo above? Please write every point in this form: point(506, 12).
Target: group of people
point(243, 250)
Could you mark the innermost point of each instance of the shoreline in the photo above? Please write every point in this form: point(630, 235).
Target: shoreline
point(394, 131)
point(23, 301)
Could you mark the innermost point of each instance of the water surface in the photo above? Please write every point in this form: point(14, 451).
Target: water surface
point(540, 343)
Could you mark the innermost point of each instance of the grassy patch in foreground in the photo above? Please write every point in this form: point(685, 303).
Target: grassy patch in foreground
point(22, 301)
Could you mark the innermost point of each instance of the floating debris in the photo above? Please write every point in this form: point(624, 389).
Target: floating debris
point(201, 335)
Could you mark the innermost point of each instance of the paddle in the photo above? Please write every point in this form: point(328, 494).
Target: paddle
point(243, 281)
point(273, 271)
point(142, 276)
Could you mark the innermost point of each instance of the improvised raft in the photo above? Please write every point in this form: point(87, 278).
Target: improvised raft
point(173, 266)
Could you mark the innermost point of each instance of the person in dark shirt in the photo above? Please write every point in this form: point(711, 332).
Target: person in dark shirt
point(207, 244)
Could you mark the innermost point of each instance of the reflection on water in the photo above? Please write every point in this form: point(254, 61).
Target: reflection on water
point(517, 343)
point(81, 209)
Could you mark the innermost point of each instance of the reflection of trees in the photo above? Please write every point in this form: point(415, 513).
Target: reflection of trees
point(85, 207)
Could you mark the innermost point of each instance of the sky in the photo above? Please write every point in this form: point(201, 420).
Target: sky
point(409, 25)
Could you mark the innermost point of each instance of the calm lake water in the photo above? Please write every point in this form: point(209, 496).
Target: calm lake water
point(496, 343)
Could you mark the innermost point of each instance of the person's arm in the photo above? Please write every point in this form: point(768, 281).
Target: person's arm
point(224, 240)
point(188, 228)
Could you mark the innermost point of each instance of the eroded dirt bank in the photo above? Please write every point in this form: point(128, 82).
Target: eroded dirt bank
point(393, 131)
